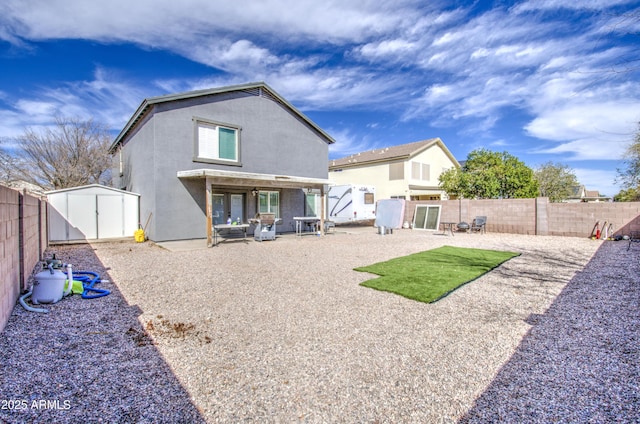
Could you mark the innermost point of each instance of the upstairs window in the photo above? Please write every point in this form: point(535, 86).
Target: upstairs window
point(420, 171)
point(396, 171)
point(217, 143)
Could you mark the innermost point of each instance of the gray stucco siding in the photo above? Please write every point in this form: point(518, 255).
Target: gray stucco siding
point(139, 174)
point(273, 140)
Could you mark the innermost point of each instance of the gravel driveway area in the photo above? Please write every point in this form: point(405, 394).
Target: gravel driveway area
point(280, 331)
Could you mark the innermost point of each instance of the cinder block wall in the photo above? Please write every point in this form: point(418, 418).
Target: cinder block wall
point(516, 216)
point(9, 252)
point(578, 219)
point(33, 235)
point(23, 239)
point(538, 216)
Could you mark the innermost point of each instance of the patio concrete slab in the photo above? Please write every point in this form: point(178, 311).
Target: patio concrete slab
point(183, 245)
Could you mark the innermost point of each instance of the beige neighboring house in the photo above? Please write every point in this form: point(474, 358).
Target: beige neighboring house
point(581, 194)
point(407, 171)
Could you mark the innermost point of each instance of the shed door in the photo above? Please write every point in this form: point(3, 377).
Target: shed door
point(81, 218)
point(110, 211)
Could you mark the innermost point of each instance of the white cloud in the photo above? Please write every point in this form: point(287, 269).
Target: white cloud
point(451, 68)
point(150, 21)
point(588, 130)
point(596, 5)
point(589, 149)
point(347, 143)
point(37, 109)
point(387, 48)
point(238, 56)
point(104, 99)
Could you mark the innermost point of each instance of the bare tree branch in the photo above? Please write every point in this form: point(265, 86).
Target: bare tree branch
point(70, 154)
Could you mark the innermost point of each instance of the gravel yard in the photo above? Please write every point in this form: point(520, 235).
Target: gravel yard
point(280, 331)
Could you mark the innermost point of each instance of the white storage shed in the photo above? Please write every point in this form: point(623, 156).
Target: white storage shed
point(92, 212)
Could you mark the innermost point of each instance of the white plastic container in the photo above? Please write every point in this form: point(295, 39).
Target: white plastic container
point(48, 287)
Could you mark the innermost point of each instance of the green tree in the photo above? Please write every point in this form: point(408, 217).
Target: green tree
point(628, 195)
point(71, 153)
point(629, 175)
point(451, 182)
point(556, 181)
point(490, 175)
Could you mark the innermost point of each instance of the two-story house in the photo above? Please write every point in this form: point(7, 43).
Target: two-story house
point(202, 157)
point(407, 171)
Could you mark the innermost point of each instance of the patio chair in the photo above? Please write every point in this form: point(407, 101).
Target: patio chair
point(478, 224)
point(328, 225)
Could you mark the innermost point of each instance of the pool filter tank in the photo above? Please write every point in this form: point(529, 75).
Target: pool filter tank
point(48, 286)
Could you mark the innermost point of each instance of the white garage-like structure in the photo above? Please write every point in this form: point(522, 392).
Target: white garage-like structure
point(92, 212)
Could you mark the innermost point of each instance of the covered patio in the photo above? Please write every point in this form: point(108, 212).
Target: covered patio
point(233, 194)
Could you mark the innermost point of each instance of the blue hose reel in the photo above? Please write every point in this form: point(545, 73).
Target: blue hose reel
point(89, 279)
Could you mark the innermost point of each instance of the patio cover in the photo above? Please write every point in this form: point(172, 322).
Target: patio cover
point(247, 179)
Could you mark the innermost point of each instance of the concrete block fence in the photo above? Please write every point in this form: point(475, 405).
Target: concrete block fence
point(23, 239)
point(538, 216)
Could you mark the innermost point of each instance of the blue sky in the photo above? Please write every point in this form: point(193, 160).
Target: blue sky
point(546, 80)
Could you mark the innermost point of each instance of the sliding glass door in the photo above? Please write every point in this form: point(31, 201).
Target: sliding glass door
point(227, 205)
point(427, 217)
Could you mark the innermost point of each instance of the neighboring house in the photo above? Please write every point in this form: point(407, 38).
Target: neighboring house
point(24, 186)
point(201, 157)
point(407, 171)
point(581, 194)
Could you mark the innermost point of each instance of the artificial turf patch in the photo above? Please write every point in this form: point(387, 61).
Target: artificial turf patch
point(430, 275)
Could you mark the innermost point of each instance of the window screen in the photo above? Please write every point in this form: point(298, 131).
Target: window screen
point(396, 171)
point(426, 172)
point(227, 143)
point(215, 142)
point(415, 170)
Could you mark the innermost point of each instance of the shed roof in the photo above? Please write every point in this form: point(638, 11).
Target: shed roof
point(89, 187)
point(260, 89)
point(393, 153)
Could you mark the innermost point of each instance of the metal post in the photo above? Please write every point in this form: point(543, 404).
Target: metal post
point(209, 213)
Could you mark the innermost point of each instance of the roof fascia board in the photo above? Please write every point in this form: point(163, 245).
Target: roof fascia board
point(252, 177)
point(444, 148)
point(371, 162)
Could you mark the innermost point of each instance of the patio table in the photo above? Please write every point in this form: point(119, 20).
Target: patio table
point(306, 220)
point(229, 228)
point(446, 225)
